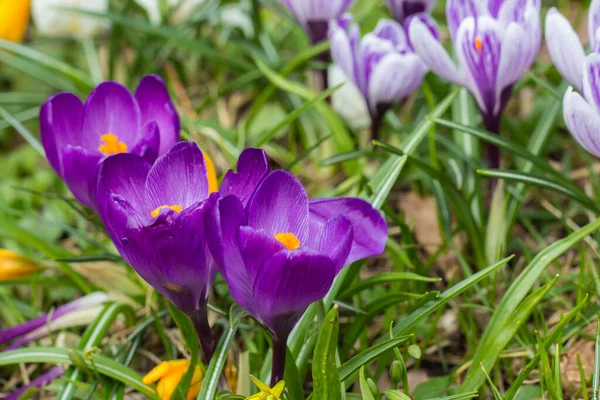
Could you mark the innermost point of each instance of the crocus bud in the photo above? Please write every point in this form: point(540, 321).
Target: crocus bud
point(402, 9)
point(13, 265)
point(396, 371)
point(14, 18)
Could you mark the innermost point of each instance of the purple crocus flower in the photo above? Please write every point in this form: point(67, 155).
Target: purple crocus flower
point(39, 382)
point(383, 64)
point(565, 47)
point(77, 137)
point(281, 252)
point(314, 15)
point(160, 218)
point(495, 41)
point(402, 9)
point(39, 327)
point(582, 114)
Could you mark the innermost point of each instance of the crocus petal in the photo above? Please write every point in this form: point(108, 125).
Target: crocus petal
point(280, 205)
point(287, 284)
point(231, 264)
point(512, 11)
point(155, 104)
point(81, 173)
point(583, 122)
point(90, 300)
point(426, 20)
point(458, 10)
point(514, 60)
point(111, 108)
point(392, 31)
point(432, 53)
point(565, 47)
point(256, 247)
point(478, 47)
point(179, 177)
point(348, 101)
point(149, 144)
point(252, 167)
point(316, 10)
point(370, 229)
point(343, 51)
point(124, 175)
point(335, 240)
point(61, 120)
point(403, 9)
point(591, 80)
point(394, 78)
point(594, 25)
point(39, 382)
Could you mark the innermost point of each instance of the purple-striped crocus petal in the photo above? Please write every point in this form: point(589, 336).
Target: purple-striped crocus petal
point(90, 300)
point(458, 10)
point(591, 80)
point(432, 53)
point(343, 50)
point(394, 78)
point(287, 284)
point(514, 60)
point(252, 167)
point(61, 120)
point(178, 178)
point(155, 104)
point(565, 47)
point(231, 263)
point(39, 382)
point(583, 121)
point(111, 108)
point(513, 11)
point(392, 31)
point(404, 9)
point(594, 25)
point(123, 175)
point(425, 19)
point(147, 147)
point(316, 10)
point(335, 240)
point(372, 50)
point(479, 47)
point(280, 205)
point(81, 173)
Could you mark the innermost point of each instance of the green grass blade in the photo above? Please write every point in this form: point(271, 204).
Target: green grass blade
point(326, 377)
point(515, 295)
point(383, 278)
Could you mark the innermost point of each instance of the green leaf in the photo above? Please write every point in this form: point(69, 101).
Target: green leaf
point(102, 365)
point(383, 278)
point(487, 351)
point(365, 357)
point(326, 377)
point(383, 182)
point(365, 390)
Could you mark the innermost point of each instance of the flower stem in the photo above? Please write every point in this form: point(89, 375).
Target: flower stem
point(492, 124)
point(279, 354)
point(199, 318)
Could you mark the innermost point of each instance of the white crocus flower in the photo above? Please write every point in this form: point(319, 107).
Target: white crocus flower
point(51, 20)
point(348, 101)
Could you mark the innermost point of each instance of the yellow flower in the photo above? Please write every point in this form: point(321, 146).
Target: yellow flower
point(169, 373)
point(14, 17)
point(211, 174)
point(266, 393)
point(13, 265)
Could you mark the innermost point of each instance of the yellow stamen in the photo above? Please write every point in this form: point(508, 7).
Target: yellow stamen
point(14, 18)
point(169, 374)
point(478, 44)
point(112, 145)
point(266, 393)
point(289, 240)
point(175, 207)
point(211, 174)
point(14, 266)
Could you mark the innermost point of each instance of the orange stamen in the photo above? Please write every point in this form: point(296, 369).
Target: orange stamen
point(112, 145)
point(289, 240)
point(478, 44)
point(175, 207)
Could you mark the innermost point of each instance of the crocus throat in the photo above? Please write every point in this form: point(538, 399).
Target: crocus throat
point(112, 145)
point(478, 44)
point(174, 207)
point(289, 240)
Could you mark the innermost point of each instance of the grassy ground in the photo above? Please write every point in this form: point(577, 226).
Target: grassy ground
point(498, 294)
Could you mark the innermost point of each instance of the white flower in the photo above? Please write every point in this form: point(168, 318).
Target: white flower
point(183, 11)
point(52, 21)
point(348, 101)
